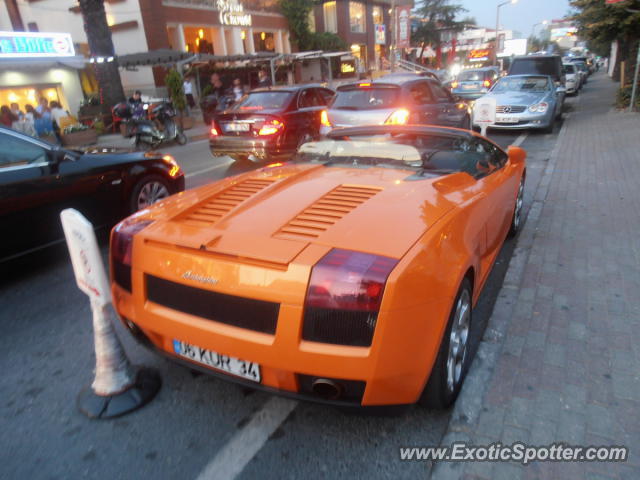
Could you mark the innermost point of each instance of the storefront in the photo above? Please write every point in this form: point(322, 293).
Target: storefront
point(39, 65)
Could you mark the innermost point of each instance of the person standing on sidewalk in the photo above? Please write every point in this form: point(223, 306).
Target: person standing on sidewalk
point(187, 85)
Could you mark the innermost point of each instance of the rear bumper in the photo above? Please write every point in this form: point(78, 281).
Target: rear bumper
point(261, 149)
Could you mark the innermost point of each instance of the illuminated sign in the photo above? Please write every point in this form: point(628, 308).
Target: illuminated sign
point(479, 55)
point(35, 44)
point(232, 13)
point(381, 37)
point(347, 68)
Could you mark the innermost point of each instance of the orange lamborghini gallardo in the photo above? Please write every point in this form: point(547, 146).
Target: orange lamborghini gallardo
point(347, 275)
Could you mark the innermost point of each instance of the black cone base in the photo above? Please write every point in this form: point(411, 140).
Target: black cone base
point(145, 387)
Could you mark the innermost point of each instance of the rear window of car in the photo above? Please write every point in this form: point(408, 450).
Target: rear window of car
point(471, 76)
point(569, 69)
point(257, 101)
point(535, 66)
point(366, 98)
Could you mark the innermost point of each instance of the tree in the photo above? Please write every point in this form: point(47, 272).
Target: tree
point(435, 16)
point(297, 14)
point(101, 46)
point(600, 24)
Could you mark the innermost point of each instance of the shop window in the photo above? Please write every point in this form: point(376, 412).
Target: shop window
point(24, 96)
point(197, 39)
point(378, 18)
point(264, 42)
point(330, 17)
point(311, 20)
point(357, 17)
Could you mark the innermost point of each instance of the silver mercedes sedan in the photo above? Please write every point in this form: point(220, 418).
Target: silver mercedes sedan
point(525, 101)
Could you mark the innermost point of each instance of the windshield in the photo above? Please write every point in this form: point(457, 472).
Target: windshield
point(257, 101)
point(540, 66)
point(429, 154)
point(366, 98)
point(521, 84)
point(471, 76)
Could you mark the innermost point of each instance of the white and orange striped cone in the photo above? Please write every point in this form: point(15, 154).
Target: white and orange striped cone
point(117, 388)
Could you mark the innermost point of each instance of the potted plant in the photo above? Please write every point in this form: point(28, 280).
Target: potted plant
point(79, 134)
point(174, 82)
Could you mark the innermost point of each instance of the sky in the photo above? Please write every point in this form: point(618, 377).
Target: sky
point(521, 16)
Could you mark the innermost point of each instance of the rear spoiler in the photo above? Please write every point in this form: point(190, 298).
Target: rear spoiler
point(366, 84)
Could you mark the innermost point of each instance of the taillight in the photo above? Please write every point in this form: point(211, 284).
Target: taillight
point(346, 280)
point(486, 83)
point(271, 128)
point(121, 249)
point(364, 84)
point(344, 297)
point(454, 85)
point(324, 119)
point(399, 117)
point(214, 132)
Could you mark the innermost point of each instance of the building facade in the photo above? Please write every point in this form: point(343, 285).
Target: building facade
point(367, 26)
point(220, 27)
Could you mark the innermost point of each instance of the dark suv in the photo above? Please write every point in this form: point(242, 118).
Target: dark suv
point(269, 124)
point(550, 65)
point(395, 100)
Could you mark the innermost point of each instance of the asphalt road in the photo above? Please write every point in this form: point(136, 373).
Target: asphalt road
point(197, 423)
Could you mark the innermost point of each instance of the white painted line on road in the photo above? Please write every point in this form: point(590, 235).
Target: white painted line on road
point(520, 139)
point(208, 169)
point(238, 452)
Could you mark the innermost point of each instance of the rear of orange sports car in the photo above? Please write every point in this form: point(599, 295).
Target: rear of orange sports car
point(324, 282)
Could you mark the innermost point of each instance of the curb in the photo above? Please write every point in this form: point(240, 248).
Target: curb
point(468, 406)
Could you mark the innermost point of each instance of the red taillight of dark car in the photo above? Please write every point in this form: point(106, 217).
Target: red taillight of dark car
point(344, 297)
point(271, 127)
point(122, 248)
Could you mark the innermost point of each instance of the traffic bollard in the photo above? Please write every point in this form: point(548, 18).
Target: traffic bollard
point(118, 387)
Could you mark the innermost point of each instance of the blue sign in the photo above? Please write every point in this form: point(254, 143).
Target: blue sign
point(35, 44)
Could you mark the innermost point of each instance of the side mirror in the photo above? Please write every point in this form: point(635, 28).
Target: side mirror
point(517, 155)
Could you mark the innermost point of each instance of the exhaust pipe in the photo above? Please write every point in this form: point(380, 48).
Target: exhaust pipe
point(327, 389)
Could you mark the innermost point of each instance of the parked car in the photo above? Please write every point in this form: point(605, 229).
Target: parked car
point(38, 180)
point(583, 69)
point(345, 276)
point(550, 65)
point(269, 124)
point(471, 84)
point(525, 101)
point(573, 78)
point(395, 100)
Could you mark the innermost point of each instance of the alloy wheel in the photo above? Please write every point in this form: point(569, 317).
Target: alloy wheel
point(150, 193)
point(458, 340)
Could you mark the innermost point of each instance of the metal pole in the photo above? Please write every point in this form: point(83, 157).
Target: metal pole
point(635, 82)
point(393, 26)
point(495, 50)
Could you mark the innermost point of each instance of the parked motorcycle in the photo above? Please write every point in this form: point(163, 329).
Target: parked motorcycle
point(157, 127)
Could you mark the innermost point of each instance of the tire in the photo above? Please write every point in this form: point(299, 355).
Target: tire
point(181, 138)
point(450, 367)
point(516, 220)
point(148, 190)
point(466, 123)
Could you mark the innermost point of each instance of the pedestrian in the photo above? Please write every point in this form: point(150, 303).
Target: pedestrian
point(217, 88)
point(15, 109)
point(238, 90)
point(136, 104)
point(43, 122)
point(57, 115)
point(263, 79)
point(188, 93)
point(6, 116)
point(29, 120)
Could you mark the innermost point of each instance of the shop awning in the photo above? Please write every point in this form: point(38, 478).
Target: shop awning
point(169, 57)
point(77, 62)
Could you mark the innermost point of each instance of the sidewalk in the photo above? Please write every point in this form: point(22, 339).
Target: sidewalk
point(200, 131)
point(560, 360)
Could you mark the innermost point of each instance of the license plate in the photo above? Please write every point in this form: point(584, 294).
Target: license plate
point(237, 127)
point(506, 119)
point(469, 86)
point(232, 365)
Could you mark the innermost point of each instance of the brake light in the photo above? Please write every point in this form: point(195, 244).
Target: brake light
point(454, 85)
point(214, 132)
point(399, 117)
point(122, 238)
point(271, 128)
point(364, 84)
point(324, 119)
point(486, 83)
point(346, 280)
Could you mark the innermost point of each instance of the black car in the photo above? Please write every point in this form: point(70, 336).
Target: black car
point(396, 99)
point(38, 180)
point(269, 124)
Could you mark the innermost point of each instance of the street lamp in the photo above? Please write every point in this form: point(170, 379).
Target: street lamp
point(498, 27)
point(533, 29)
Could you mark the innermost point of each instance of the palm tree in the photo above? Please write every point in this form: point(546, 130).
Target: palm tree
point(101, 46)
